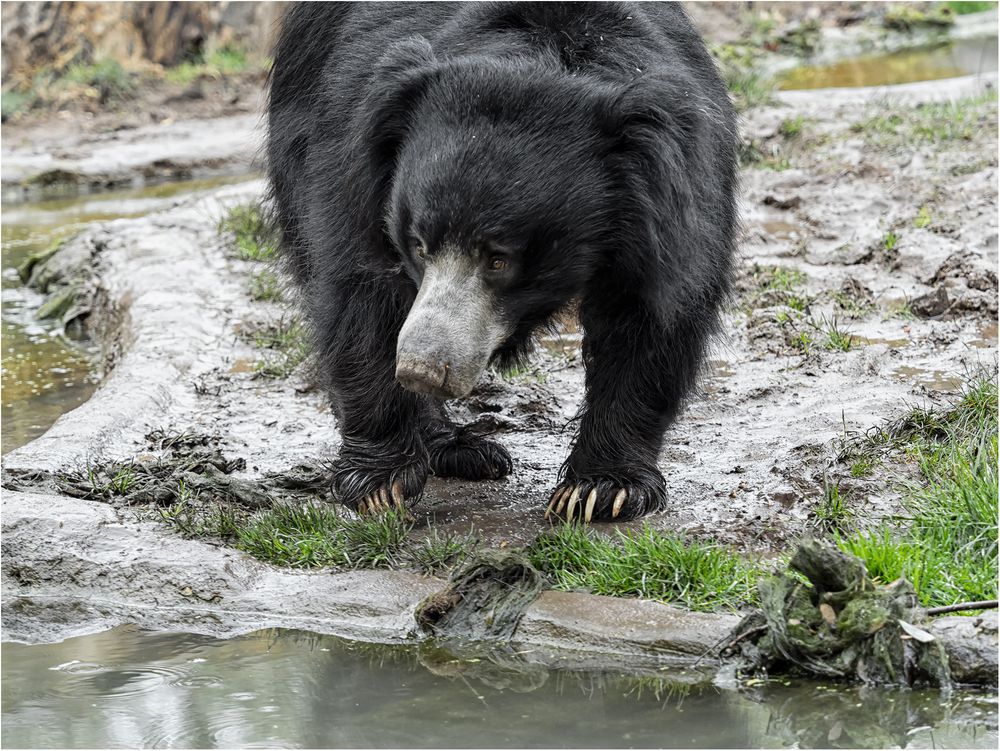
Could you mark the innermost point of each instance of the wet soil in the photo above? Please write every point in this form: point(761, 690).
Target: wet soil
point(51, 164)
point(47, 371)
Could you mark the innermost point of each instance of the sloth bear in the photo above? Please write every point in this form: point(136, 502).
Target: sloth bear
point(449, 177)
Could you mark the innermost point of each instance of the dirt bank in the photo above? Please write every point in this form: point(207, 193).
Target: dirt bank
point(51, 161)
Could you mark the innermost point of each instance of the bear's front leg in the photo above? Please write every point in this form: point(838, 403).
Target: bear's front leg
point(383, 463)
point(372, 476)
point(638, 372)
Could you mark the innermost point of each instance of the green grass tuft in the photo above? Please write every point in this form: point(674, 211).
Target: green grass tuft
point(287, 345)
point(903, 17)
point(935, 123)
point(113, 83)
point(316, 536)
point(748, 87)
point(253, 233)
point(437, 552)
point(792, 127)
point(833, 513)
point(193, 520)
point(890, 241)
point(265, 286)
point(647, 564)
point(837, 338)
point(226, 61)
point(964, 7)
point(948, 544)
point(862, 467)
point(14, 102)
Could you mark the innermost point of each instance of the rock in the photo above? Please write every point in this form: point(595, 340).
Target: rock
point(24, 271)
point(791, 202)
point(71, 567)
point(857, 291)
point(195, 91)
point(617, 626)
point(971, 645)
point(932, 304)
point(58, 304)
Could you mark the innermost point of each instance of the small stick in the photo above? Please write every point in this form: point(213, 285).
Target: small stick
point(980, 605)
point(745, 635)
point(732, 643)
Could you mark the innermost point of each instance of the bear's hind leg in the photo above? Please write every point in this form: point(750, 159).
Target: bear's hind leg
point(463, 453)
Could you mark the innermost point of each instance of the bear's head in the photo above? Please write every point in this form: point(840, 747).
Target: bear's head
point(505, 195)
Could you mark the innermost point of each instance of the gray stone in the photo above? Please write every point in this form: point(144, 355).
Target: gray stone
point(626, 628)
point(971, 644)
point(71, 567)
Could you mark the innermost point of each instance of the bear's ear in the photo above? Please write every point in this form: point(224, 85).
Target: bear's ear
point(647, 120)
point(398, 81)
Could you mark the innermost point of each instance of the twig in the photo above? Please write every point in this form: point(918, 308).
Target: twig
point(980, 605)
point(745, 635)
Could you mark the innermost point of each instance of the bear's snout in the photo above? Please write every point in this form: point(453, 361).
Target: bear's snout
point(451, 331)
point(423, 375)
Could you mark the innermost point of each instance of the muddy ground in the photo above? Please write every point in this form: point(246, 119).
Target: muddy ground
point(857, 230)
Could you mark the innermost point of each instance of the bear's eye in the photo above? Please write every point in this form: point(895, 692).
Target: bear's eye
point(497, 263)
point(418, 247)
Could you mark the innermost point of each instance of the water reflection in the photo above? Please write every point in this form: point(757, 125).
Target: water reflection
point(129, 688)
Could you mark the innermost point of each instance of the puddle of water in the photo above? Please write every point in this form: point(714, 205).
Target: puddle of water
point(893, 343)
point(987, 336)
point(936, 380)
point(283, 689)
point(782, 230)
point(960, 58)
point(46, 374)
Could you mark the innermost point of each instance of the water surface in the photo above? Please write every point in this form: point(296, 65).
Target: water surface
point(277, 688)
point(960, 58)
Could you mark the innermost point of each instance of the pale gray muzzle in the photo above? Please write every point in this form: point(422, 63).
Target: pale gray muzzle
point(452, 330)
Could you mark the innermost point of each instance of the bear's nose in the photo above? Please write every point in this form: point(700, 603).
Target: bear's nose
point(425, 376)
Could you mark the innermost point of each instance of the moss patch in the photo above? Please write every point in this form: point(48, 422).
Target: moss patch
point(286, 345)
point(826, 617)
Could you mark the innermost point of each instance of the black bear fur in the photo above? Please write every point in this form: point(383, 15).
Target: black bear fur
point(606, 156)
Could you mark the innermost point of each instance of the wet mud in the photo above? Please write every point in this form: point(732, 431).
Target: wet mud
point(47, 162)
